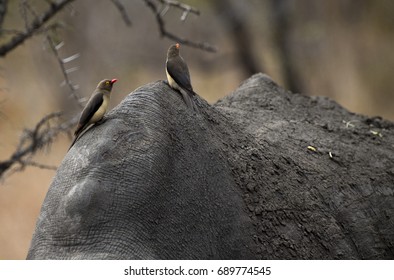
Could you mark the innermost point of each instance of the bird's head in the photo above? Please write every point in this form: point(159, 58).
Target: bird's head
point(106, 84)
point(173, 50)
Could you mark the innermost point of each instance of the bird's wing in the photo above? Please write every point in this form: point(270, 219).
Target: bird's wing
point(91, 107)
point(179, 71)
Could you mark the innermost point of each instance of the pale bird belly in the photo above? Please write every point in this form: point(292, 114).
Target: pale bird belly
point(171, 82)
point(100, 112)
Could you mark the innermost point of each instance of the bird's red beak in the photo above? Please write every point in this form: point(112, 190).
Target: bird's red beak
point(177, 45)
point(114, 81)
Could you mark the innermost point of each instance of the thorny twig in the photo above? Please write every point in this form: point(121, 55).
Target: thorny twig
point(44, 133)
point(65, 71)
point(24, 8)
point(32, 140)
point(163, 31)
point(34, 27)
point(23, 12)
point(39, 165)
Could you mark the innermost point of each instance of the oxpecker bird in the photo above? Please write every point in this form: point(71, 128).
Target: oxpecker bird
point(178, 76)
point(95, 108)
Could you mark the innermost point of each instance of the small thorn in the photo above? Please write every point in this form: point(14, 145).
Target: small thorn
point(70, 58)
point(184, 15)
point(59, 46)
point(73, 69)
point(165, 10)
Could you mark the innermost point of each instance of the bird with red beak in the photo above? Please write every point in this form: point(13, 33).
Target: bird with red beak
point(95, 108)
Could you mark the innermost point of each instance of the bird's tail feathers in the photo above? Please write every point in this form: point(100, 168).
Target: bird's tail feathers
point(187, 96)
point(77, 134)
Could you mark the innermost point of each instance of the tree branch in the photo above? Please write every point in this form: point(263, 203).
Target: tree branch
point(235, 23)
point(65, 71)
point(33, 27)
point(24, 8)
point(122, 12)
point(282, 31)
point(163, 31)
point(33, 140)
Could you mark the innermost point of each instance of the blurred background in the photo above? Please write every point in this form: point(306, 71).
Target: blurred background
point(341, 48)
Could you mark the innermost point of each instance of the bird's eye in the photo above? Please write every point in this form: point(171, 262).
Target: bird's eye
point(107, 83)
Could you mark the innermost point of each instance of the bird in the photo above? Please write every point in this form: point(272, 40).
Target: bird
point(95, 108)
point(178, 76)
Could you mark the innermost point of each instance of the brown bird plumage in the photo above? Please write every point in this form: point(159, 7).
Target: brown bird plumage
point(178, 76)
point(95, 108)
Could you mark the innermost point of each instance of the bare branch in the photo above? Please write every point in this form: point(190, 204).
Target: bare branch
point(122, 12)
point(24, 9)
point(234, 22)
point(29, 8)
point(38, 165)
point(163, 31)
point(36, 24)
point(23, 13)
point(33, 140)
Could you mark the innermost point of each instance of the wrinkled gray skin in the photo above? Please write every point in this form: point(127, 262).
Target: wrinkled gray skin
point(234, 180)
